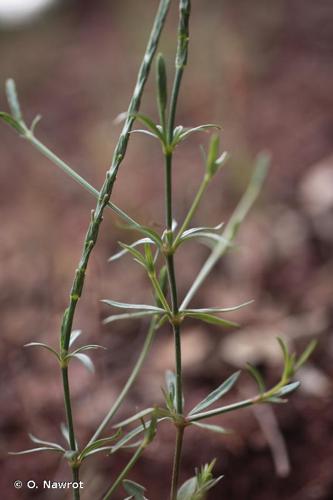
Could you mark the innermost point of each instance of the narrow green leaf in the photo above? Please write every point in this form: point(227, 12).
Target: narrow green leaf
point(171, 383)
point(163, 282)
point(206, 235)
point(44, 346)
point(88, 347)
point(306, 354)
point(257, 377)
point(102, 449)
point(177, 133)
point(219, 309)
point(213, 428)
point(142, 307)
point(287, 389)
point(217, 394)
point(35, 122)
point(138, 257)
point(275, 400)
point(133, 245)
point(99, 445)
point(117, 317)
point(50, 444)
point(284, 349)
point(213, 152)
point(35, 450)
point(65, 432)
point(133, 418)
point(188, 489)
point(123, 442)
point(74, 336)
point(197, 487)
point(143, 131)
point(149, 258)
point(135, 490)
point(213, 320)
point(202, 229)
point(85, 360)
point(150, 124)
point(147, 231)
point(201, 128)
point(288, 370)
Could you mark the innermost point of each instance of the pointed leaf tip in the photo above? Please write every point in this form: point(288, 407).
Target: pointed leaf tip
point(225, 387)
point(13, 100)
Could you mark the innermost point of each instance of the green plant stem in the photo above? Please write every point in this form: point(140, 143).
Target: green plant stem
point(68, 408)
point(126, 470)
point(69, 417)
point(168, 194)
point(176, 463)
point(193, 209)
point(50, 155)
point(76, 479)
point(181, 60)
point(230, 231)
point(172, 281)
point(225, 409)
point(104, 198)
point(116, 405)
point(175, 327)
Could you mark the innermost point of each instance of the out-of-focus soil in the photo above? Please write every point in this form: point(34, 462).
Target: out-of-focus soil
point(264, 70)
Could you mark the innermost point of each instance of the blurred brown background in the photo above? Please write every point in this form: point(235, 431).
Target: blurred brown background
point(264, 70)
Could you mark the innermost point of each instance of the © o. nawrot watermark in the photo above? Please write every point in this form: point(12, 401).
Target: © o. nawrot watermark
point(47, 484)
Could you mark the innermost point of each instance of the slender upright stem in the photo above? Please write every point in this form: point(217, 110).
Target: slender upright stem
point(181, 60)
point(76, 479)
point(68, 408)
point(172, 281)
point(69, 416)
point(168, 192)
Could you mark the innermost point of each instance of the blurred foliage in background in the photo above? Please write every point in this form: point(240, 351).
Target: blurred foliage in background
point(263, 69)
